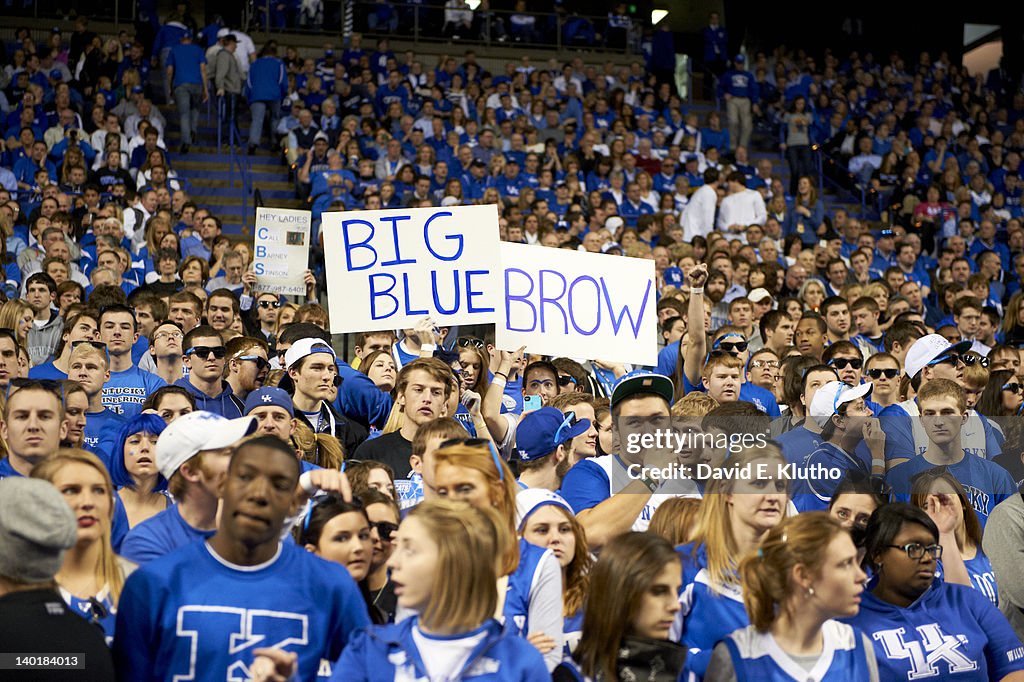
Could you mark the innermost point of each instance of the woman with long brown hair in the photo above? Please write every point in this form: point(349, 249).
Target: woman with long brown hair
point(626, 631)
point(803, 577)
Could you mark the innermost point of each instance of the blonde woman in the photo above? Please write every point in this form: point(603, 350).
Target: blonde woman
point(92, 575)
point(444, 571)
point(17, 316)
point(737, 511)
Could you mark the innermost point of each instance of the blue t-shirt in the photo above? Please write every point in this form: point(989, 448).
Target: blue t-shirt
point(46, 370)
point(797, 443)
point(101, 429)
point(814, 492)
point(125, 391)
point(986, 483)
point(192, 615)
point(186, 60)
point(159, 535)
point(952, 632)
point(905, 436)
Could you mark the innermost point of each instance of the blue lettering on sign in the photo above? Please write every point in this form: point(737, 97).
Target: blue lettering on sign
point(382, 286)
point(558, 303)
point(394, 236)
point(351, 245)
point(262, 233)
point(457, 238)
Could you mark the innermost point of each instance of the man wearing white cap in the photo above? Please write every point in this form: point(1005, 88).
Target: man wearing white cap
point(932, 357)
point(313, 372)
point(192, 454)
point(845, 419)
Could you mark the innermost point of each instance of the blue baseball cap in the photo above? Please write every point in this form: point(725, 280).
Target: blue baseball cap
point(642, 381)
point(673, 276)
point(541, 432)
point(269, 396)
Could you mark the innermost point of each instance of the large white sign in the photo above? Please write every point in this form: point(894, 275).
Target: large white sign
point(574, 304)
point(389, 269)
point(281, 250)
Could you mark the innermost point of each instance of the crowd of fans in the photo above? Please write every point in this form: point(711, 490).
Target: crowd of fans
point(197, 486)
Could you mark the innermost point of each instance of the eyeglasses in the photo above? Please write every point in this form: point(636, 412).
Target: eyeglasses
point(476, 443)
point(771, 364)
point(972, 359)
point(1013, 387)
point(269, 304)
point(843, 363)
point(879, 373)
point(384, 529)
point(168, 335)
point(469, 342)
point(261, 363)
point(205, 351)
point(565, 380)
point(915, 550)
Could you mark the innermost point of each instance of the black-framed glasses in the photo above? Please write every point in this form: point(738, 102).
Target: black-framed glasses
point(269, 304)
point(476, 443)
point(972, 359)
point(1013, 387)
point(469, 342)
point(888, 373)
point(843, 363)
point(384, 529)
point(915, 550)
point(261, 362)
point(566, 379)
point(734, 347)
point(206, 351)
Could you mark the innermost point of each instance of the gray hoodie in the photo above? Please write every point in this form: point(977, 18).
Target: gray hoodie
point(42, 341)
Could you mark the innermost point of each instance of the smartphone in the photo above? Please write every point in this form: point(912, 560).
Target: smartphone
point(531, 403)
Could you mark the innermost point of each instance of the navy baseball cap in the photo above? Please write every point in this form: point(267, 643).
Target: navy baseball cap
point(267, 396)
point(541, 432)
point(673, 276)
point(642, 381)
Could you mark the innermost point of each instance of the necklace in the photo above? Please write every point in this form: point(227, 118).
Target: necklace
point(381, 591)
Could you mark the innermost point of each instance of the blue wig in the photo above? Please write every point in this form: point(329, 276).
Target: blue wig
point(140, 423)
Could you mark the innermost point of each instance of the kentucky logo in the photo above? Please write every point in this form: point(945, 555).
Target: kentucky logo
point(936, 654)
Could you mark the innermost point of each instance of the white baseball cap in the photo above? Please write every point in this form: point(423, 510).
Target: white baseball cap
point(759, 294)
point(194, 432)
point(829, 397)
point(613, 224)
point(927, 349)
point(305, 347)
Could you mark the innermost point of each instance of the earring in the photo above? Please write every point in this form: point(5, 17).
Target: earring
point(810, 591)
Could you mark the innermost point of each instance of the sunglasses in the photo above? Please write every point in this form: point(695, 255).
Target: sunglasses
point(843, 363)
point(205, 351)
point(972, 359)
point(469, 342)
point(735, 348)
point(771, 364)
point(98, 345)
point(950, 359)
point(1014, 387)
point(261, 363)
point(384, 529)
point(476, 443)
point(565, 380)
point(566, 426)
point(879, 373)
point(269, 304)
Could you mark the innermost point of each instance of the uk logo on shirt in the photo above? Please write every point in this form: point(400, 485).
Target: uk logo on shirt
point(936, 654)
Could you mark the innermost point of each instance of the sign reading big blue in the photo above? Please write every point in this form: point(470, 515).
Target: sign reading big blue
point(578, 305)
point(388, 269)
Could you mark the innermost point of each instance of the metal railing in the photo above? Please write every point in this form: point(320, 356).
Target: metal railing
point(430, 24)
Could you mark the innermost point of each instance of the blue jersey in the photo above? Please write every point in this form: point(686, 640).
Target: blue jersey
point(192, 615)
point(46, 371)
point(757, 657)
point(762, 398)
point(951, 632)
point(101, 429)
point(389, 653)
point(159, 535)
point(905, 436)
point(707, 614)
point(983, 577)
point(516, 611)
point(986, 483)
point(572, 630)
point(125, 391)
point(85, 608)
